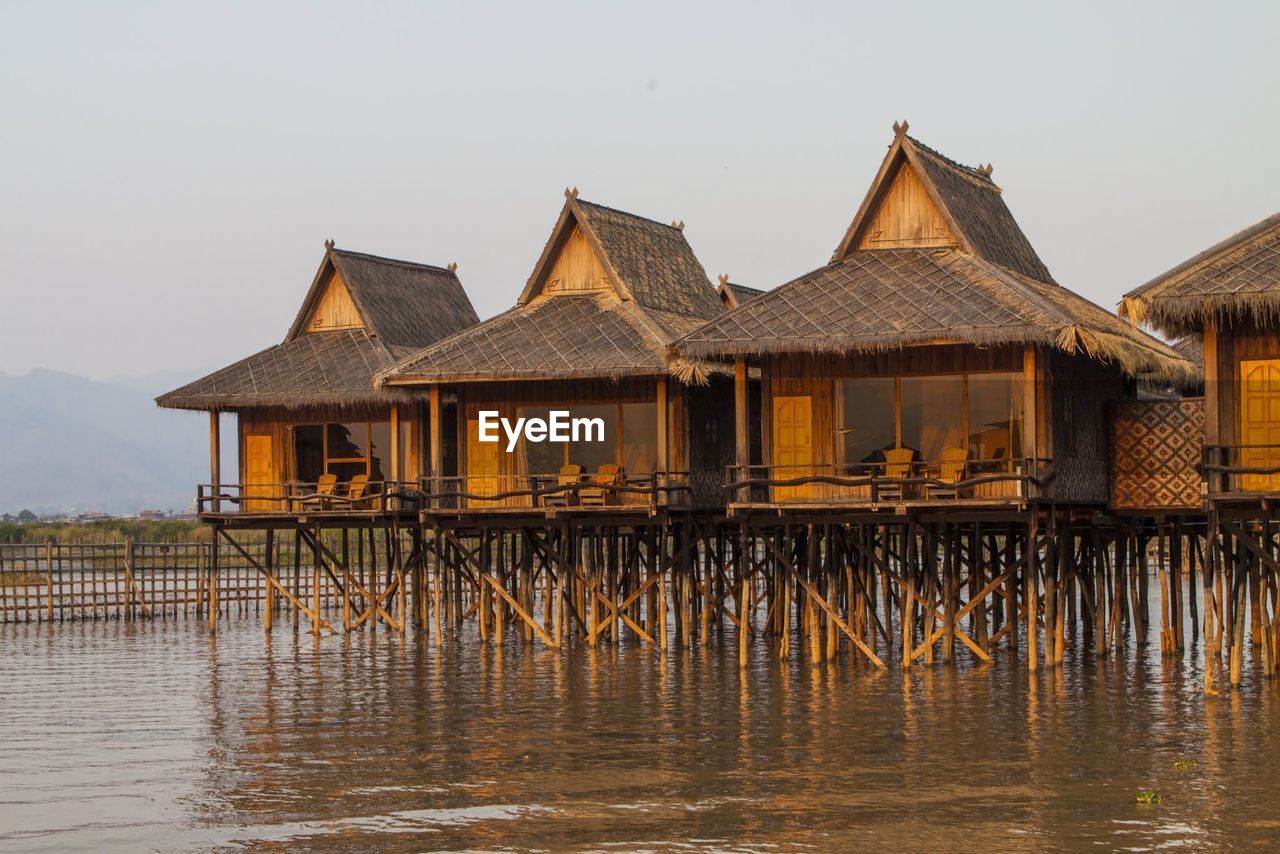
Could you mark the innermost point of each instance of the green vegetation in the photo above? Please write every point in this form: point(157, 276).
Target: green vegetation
point(107, 531)
point(1148, 798)
point(1185, 765)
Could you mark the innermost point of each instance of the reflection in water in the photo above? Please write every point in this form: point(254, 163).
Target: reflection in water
point(147, 735)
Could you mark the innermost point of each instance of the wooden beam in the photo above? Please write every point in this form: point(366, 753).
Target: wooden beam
point(1030, 416)
point(741, 422)
point(215, 458)
point(664, 462)
point(396, 462)
point(1211, 391)
point(437, 452)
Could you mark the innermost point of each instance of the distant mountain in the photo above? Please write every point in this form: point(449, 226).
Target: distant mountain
point(68, 443)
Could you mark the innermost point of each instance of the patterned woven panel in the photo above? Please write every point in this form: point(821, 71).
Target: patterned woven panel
point(1156, 454)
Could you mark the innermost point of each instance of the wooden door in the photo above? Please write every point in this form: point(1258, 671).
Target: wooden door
point(1260, 423)
point(483, 465)
point(259, 472)
point(792, 445)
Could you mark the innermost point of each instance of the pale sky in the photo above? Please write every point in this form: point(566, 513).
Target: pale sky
point(170, 171)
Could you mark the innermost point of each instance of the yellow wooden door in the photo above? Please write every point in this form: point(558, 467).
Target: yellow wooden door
point(792, 445)
point(482, 465)
point(1260, 423)
point(259, 472)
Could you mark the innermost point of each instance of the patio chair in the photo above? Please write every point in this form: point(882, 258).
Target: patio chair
point(569, 474)
point(897, 467)
point(609, 474)
point(954, 462)
point(322, 498)
point(356, 490)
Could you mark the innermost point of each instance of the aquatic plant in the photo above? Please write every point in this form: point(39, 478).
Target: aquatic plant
point(1185, 765)
point(1148, 798)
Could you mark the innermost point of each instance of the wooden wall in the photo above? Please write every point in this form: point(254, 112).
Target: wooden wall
point(1224, 349)
point(1081, 390)
point(816, 374)
point(906, 216)
point(577, 268)
point(334, 308)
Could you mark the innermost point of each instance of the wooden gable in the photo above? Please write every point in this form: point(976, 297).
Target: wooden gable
point(334, 308)
point(576, 268)
point(905, 216)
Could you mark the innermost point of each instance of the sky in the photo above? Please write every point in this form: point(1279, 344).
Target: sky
point(170, 171)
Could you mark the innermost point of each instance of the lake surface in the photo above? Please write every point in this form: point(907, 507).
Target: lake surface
point(148, 735)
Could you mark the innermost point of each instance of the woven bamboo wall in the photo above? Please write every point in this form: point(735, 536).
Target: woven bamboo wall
point(1156, 454)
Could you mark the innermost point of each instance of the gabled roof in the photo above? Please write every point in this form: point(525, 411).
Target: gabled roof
point(659, 292)
point(966, 197)
point(403, 306)
point(882, 299)
point(733, 295)
point(1238, 277)
point(985, 287)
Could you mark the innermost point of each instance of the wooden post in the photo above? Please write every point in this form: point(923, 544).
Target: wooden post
point(1030, 416)
point(437, 451)
point(270, 564)
point(396, 462)
point(741, 425)
point(664, 464)
point(48, 565)
point(215, 459)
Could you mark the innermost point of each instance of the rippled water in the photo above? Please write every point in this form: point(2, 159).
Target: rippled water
point(150, 736)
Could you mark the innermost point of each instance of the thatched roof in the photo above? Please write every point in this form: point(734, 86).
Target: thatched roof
point(970, 202)
point(733, 295)
point(659, 292)
point(987, 286)
point(1239, 277)
point(403, 306)
point(882, 299)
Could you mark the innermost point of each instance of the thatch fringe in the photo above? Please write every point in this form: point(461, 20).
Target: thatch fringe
point(293, 401)
point(1132, 357)
point(1175, 315)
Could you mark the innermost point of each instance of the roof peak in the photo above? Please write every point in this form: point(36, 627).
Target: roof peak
point(382, 259)
point(677, 225)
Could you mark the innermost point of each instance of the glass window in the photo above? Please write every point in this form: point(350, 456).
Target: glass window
point(867, 427)
point(593, 454)
point(308, 452)
point(932, 414)
point(380, 450)
point(347, 441)
point(639, 437)
point(539, 457)
point(995, 416)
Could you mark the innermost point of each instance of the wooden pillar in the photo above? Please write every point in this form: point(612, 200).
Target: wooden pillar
point(664, 463)
point(396, 462)
point(1030, 416)
point(741, 424)
point(215, 458)
point(437, 450)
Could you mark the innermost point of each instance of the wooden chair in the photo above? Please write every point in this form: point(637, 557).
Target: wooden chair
point(897, 467)
point(325, 488)
point(569, 474)
point(356, 490)
point(954, 462)
point(609, 474)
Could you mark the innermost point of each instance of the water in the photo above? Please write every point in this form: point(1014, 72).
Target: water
point(147, 736)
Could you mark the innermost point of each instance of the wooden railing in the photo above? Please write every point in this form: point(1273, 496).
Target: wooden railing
point(1242, 469)
point(996, 480)
point(307, 497)
point(650, 489)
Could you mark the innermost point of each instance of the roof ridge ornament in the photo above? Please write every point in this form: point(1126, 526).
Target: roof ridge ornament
point(723, 278)
point(453, 267)
point(677, 225)
point(571, 193)
point(900, 129)
point(328, 244)
point(986, 170)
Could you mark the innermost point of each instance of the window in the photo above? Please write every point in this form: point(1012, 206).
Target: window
point(930, 414)
point(995, 416)
point(932, 418)
point(630, 439)
point(343, 450)
point(869, 426)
